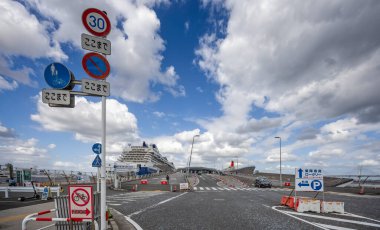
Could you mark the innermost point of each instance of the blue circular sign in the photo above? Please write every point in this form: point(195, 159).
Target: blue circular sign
point(97, 148)
point(316, 185)
point(57, 76)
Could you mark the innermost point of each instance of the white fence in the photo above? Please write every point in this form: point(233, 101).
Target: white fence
point(27, 189)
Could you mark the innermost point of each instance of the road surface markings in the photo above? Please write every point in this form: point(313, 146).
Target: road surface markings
point(201, 188)
point(324, 226)
point(213, 188)
point(333, 218)
point(136, 225)
point(333, 227)
point(311, 223)
point(354, 215)
point(113, 204)
point(219, 199)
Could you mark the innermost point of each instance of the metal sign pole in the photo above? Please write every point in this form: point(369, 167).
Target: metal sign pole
point(98, 180)
point(103, 169)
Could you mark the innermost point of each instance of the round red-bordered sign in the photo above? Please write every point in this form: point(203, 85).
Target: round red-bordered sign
point(96, 22)
point(78, 198)
point(96, 65)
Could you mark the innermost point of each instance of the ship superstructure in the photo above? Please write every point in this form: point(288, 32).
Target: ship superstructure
point(146, 158)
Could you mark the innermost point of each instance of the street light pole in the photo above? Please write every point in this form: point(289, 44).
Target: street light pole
point(280, 164)
point(191, 153)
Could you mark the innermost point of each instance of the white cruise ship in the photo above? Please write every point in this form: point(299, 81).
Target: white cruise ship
point(146, 159)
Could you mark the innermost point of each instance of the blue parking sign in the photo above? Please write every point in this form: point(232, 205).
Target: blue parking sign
point(316, 185)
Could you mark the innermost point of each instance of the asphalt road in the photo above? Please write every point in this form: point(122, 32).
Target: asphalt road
point(252, 208)
point(214, 207)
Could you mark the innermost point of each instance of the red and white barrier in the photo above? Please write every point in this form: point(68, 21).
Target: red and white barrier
point(288, 201)
point(308, 205)
point(332, 206)
point(32, 217)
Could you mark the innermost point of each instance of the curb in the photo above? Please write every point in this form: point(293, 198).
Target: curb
point(120, 221)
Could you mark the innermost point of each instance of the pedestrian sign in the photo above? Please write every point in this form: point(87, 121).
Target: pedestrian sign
point(309, 180)
point(58, 76)
point(97, 162)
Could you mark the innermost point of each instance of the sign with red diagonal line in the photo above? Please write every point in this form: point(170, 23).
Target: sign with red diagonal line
point(81, 202)
point(96, 65)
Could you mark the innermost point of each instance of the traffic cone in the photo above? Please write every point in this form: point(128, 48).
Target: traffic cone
point(175, 188)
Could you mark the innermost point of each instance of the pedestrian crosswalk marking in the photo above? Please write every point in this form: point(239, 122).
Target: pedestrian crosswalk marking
point(236, 189)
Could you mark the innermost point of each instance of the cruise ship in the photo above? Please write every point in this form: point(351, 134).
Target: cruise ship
point(144, 159)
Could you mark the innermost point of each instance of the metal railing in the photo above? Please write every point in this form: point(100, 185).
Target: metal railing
point(6, 190)
point(62, 211)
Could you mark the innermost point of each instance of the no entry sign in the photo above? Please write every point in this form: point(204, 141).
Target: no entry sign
point(96, 22)
point(81, 202)
point(96, 65)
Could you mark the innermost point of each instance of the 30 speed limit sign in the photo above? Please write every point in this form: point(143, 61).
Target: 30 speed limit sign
point(96, 22)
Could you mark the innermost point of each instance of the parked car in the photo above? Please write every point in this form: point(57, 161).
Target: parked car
point(263, 182)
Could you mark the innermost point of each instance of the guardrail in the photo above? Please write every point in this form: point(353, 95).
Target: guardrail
point(6, 190)
point(33, 217)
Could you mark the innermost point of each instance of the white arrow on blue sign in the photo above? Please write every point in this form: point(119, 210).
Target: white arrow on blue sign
point(97, 162)
point(97, 148)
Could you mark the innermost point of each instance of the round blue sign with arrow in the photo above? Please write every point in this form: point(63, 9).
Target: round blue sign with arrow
point(97, 148)
point(96, 65)
point(58, 76)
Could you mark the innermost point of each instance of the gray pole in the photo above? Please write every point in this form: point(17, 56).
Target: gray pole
point(280, 163)
point(280, 166)
point(191, 153)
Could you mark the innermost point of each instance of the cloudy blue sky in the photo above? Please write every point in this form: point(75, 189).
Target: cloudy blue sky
point(238, 73)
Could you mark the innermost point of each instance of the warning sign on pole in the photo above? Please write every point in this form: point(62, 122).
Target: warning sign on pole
point(81, 202)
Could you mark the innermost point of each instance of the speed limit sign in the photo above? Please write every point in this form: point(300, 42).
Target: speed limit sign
point(96, 22)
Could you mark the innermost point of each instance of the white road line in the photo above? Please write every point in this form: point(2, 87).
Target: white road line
point(233, 189)
point(137, 227)
point(201, 188)
point(155, 205)
point(195, 188)
point(220, 188)
point(333, 227)
point(213, 188)
point(336, 219)
point(357, 216)
point(207, 188)
point(227, 189)
point(113, 204)
point(311, 223)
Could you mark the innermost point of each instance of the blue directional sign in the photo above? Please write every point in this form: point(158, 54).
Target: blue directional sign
point(97, 148)
point(308, 180)
point(97, 162)
point(300, 173)
point(58, 76)
point(303, 184)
